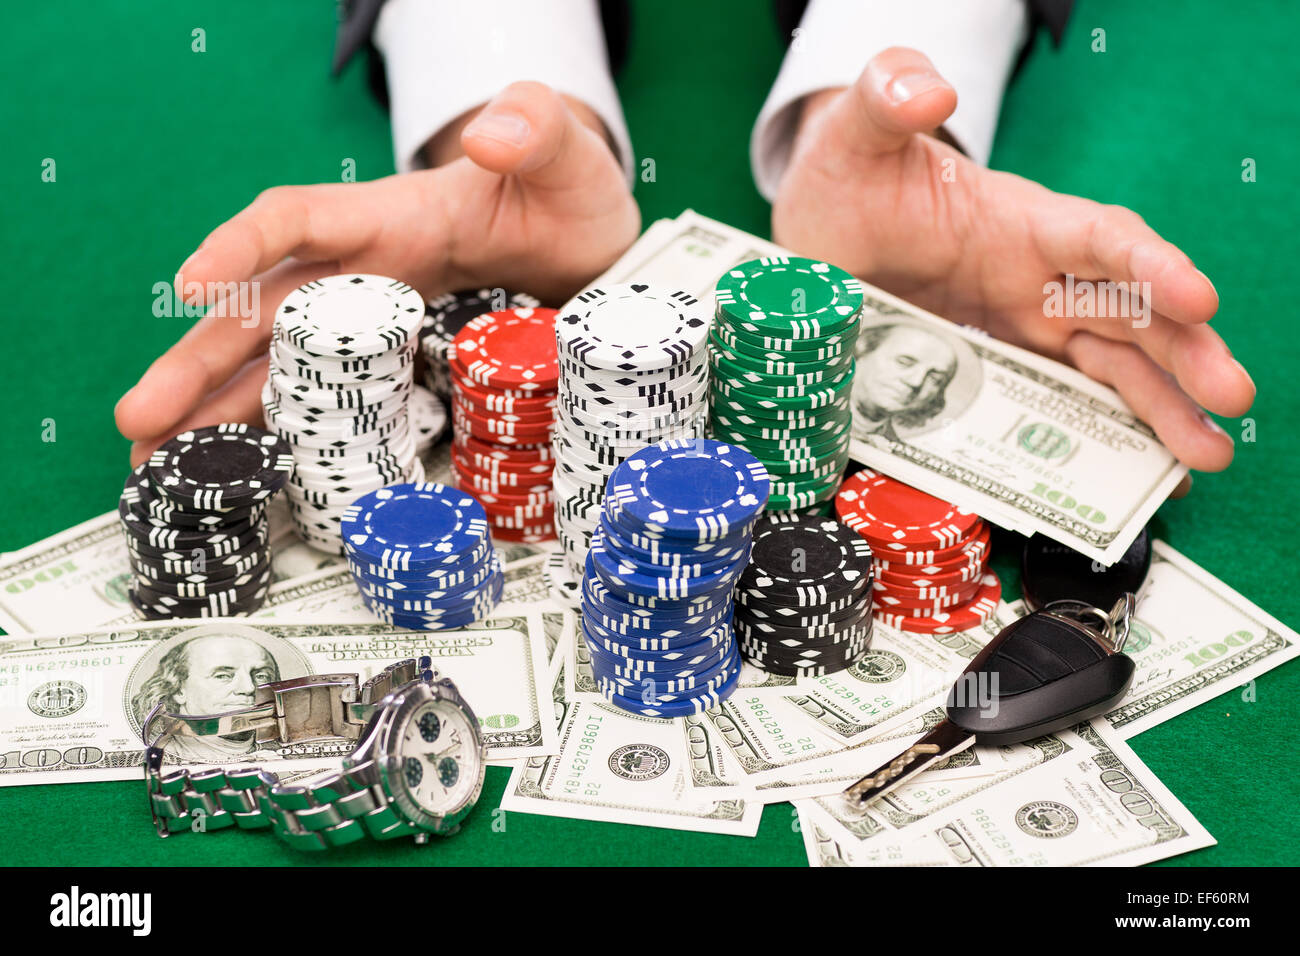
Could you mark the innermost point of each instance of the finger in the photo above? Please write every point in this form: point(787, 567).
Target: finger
point(1194, 354)
point(239, 400)
point(527, 130)
point(1155, 398)
point(330, 221)
point(1111, 243)
point(1183, 488)
point(897, 95)
point(207, 356)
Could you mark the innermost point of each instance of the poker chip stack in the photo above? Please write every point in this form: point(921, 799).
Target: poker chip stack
point(342, 362)
point(781, 351)
point(931, 557)
point(196, 525)
point(446, 315)
point(803, 606)
point(503, 378)
point(672, 539)
point(633, 372)
point(422, 556)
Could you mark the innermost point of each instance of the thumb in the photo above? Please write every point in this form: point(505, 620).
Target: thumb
point(527, 130)
point(898, 95)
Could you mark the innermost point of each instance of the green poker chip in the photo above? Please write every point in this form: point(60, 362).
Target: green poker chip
point(788, 297)
point(800, 500)
point(776, 375)
point(793, 469)
point(723, 337)
point(798, 424)
point(797, 348)
point(810, 398)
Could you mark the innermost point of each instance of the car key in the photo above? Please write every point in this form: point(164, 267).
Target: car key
point(1044, 672)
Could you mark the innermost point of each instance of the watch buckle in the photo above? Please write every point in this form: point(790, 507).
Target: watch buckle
point(309, 708)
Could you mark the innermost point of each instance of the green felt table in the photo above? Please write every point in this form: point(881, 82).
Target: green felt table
point(156, 144)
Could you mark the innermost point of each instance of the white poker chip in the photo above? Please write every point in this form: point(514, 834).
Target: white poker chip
point(631, 327)
point(350, 315)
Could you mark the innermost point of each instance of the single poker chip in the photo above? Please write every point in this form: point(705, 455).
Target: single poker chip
point(511, 349)
point(221, 466)
point(959, 618)
point(677, 708)
point(631, 326)
point(1050, 571)
point(806, 562)
point(412, 526)
point(883, 509)
point(697, 490)
point(790, 296)
point(350, 315)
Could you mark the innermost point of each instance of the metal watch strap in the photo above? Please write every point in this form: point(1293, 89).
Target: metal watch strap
point(330, 812)
point(336, 810)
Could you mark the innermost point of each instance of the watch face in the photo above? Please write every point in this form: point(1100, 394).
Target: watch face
point(438, 758)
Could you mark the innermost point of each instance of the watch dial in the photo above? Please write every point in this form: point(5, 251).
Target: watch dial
point(439, 742)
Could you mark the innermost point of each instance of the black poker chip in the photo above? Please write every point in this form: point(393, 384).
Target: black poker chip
point(770, 631)
point(806, 562)
point(221, 466)
point(1050, 571)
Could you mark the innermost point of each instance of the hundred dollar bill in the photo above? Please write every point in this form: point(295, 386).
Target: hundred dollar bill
point(623, 768)
point(1097, 805)
point(1025, 441)
point(71, 705)
point(1192, 639)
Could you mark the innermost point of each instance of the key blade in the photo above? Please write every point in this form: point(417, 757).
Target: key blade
point(943, 741)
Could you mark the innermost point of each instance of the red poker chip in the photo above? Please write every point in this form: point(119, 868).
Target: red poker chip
point(911, 578)
point(519, 454)
point(497, 400)
point(494, 430)
point(543, 417)
point(890, 514)
point(505, 472)
point(534, 513)
point(504, 499)
point(510, 395)
point(974, 550)
point(913, 599)
point(531, 478)
point(541, 525)
point(512, 349)
point(928, 593)
point(949, 620)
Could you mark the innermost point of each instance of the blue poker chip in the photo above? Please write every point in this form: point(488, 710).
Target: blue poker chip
point(614, 666)
point(456, 567)
point(436, 604)
point(648, 634)
point(682, 707)
point(677, 612)
point(425, 622)
point(667, 606)
point(630, 579)
point(697, 489)
point(667, 688)
point(666, 640)
point(672, 563)
point(707, 647)
point(447, 587)
point(413, 526)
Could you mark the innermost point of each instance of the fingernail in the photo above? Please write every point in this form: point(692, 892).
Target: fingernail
point(505, 127)
point(1210, 425)
point(908, 86)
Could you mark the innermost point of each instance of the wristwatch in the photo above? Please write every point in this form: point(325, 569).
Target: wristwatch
point(417, 768)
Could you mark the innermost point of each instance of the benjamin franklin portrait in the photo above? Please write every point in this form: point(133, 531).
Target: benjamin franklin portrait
point(210, 669)
point(902, 379)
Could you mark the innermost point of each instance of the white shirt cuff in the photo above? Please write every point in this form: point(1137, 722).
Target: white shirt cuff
point(443, 59)
point(972, 43)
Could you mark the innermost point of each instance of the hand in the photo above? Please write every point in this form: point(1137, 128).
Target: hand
point(537, 203)
point(865, 190)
